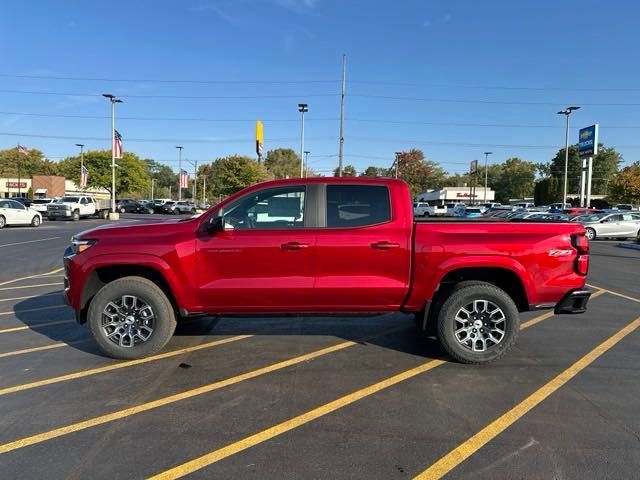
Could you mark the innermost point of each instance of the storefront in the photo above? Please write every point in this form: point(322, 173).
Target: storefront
point(12, 187)
point(455, 195)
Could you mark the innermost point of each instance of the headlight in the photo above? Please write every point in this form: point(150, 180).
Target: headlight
point(79, 246)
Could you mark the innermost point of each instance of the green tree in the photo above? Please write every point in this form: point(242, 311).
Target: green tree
point(347, 171)
point(233, 173)
point(282, 163)
point(375, 172)
point(515, 180)
point(33, 163)
point(419, 173)
point(625, 187)
point(165, 179)
point(605, 166)
point(131, 173)
point(547, 190)
point(456, 180)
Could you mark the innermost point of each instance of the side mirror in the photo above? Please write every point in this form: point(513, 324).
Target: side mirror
point(215, 224)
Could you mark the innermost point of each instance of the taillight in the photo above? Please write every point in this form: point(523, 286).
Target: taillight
point(581, 243)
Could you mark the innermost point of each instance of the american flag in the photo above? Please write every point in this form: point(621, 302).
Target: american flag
point(117, 144)
point(84, 177)
point(184, 179)
point(23, 150)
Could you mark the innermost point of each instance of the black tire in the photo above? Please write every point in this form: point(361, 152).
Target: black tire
point(53, 219)
point(105, 214)
point(35, 221)
point(164, 317)
point(193, 211)
point(426, 214)
point(3, 221)
point(76, 215)
point(460, 298)
point(621, 239)
point(590, 233)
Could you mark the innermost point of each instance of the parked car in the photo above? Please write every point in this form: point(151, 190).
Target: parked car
point(616, 225)
point(624, 206)
point(77, 207)
point(472, 212)
point(180, 207)
point(146, 206)
point(451, 209)
point(40, 205)
point(127, 205)
point(169, 207)
point(23, 200)
point(373, 259)
point(15, 213)
point(423, 209)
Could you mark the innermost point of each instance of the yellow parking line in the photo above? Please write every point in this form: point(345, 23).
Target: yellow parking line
point(144, 407)
point(621, 295)
point(44, 347)
point(260, 437)
point(295, 422)
point(459, 454)
point(117, 366)
point(57, 270)
point(31, 286)
point(29, 310)
point(541, 318)
point(34, 326)
point(28, 297)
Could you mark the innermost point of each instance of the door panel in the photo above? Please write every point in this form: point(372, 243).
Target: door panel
point(364, 252)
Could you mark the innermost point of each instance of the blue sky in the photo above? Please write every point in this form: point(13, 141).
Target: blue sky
point(421, 74)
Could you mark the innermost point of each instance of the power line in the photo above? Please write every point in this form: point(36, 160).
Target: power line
point(487, 102)
point(498, 87)
point(181, 97)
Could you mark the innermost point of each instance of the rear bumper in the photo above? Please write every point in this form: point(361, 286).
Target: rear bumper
point(573, 302)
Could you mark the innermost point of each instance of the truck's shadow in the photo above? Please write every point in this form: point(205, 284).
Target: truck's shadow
point(373, 330)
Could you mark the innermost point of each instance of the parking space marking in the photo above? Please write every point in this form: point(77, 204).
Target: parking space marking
point(295, 422)
point(144, 407)
point(550, 314)
point(28, 297)
point(44, 347)
point(31, 286)
point(34, 326)
point(29, 310)
point(29, 241)
point(36, 275)
point(621, 295)
point(117, 366)
point(459, 454)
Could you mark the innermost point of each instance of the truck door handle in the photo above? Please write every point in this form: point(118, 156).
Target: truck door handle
point(384, 245)
point(294, 246)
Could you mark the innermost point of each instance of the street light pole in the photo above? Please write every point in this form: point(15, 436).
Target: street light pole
point(302, 108)
point(397, 163)
point(306, 159)
point(486, 175)
point(567, 113)
point(179, 147)
point(113, 100)
point(81, 145)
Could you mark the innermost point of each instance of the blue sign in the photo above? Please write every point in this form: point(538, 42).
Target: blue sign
point(588, 141)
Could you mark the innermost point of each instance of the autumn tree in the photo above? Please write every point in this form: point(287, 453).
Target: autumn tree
point(625, 186)
point(230, 174)
point(32, 163)
point(419, 173)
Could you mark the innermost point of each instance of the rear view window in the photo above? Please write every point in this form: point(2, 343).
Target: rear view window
point(357, 205)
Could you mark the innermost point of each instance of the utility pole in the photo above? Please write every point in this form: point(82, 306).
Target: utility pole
point(567, 113)
point(81, 145)
point(344, 87)
point(179, 147)
point(486, 175)
point(152, 182)
point(113, 101)
point(302, 108)
point(397, 162)
point(18, 162)
point(204, 188)
point(306, 160)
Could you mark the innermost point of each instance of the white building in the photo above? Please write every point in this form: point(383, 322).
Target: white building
point(455, 195)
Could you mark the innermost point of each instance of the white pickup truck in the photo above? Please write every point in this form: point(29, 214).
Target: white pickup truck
point(77, 207)
point(423, 209)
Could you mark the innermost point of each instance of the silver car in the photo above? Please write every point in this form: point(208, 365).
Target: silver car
point(618, 225)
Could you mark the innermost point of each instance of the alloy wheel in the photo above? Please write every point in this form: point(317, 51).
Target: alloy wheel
point(128, 321)
point(479, 325)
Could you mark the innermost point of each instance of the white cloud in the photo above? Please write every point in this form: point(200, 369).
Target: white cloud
point(446, 18)
point(216, 10)
point(299, 6)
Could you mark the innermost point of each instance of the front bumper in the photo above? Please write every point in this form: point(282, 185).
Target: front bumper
point(573, 302)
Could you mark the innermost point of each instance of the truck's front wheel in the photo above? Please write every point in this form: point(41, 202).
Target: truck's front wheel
point(131, 318)
point(76, 215)
point(478, 323)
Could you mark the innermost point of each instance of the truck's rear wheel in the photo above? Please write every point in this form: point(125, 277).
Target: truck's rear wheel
point(131, 318)
point(104, 214)
point(478, 323)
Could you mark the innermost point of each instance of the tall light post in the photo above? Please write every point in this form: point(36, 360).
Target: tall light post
point(81, 145)
point(306, 159)
point(302, 108)
point(179, 147)
point(113, 100)
point(486, 175)
point(397, 162)
point(567, 113)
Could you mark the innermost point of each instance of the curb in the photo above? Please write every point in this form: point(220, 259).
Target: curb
point(633, 246)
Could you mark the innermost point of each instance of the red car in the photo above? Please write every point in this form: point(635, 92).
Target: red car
point(324, 246)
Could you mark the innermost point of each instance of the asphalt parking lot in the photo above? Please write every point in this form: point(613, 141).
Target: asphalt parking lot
point(308, 397)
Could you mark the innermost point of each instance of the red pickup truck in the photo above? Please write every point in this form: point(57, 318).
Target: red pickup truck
point(324, 246)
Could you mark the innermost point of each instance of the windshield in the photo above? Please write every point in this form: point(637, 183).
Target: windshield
point(40, 201)
point(69, 200)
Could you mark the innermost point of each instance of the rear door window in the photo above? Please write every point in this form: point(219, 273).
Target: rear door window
point(357, 205)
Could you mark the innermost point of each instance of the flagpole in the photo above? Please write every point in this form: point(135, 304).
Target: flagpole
point(113, 101)
point(179, 172)
point(18, 157)
point(81, 145)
